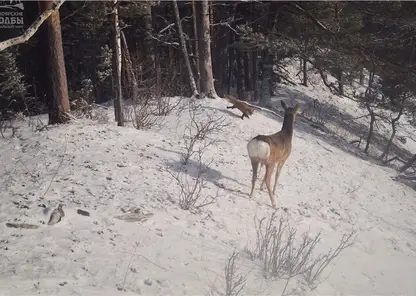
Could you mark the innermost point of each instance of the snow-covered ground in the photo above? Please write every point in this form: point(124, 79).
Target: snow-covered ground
point(102, 169)
point(344, 116)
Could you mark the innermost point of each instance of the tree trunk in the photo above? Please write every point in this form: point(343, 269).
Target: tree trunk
point(184, 49)
point(57, 88)
point(219, 51)
point(254, 76)
point(340, 81)
point(393, 134)
point(371, 129)
point(117, 66)
point(408, 164)
point(368, 98)
point(230, 64)
point(305, 72)
point(195, 45)
point(149, 45)
point(247, 78)
point(362, 76)
point(239, 73)
point(386, 151)
point(129, 67)
point(207, 79)
point(266, 78)
point(156, 55)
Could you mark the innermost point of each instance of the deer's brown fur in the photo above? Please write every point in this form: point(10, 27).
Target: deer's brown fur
point(272, 150)
point(240, 105)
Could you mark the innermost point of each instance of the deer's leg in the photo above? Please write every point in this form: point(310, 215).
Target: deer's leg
point(231, 107)
point(255, 165)
point(278, 171)
point(269, 171)
point(276, 178)
point(264, 180)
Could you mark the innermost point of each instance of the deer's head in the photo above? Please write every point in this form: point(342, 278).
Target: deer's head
point(290, 110)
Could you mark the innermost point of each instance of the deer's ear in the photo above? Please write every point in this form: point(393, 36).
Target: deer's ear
point(297, 108)
point(283, 105)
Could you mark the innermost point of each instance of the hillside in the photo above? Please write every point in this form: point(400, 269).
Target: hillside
point(102, 169)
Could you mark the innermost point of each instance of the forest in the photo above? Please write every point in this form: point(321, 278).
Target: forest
point(126, 170)
point(91, 52)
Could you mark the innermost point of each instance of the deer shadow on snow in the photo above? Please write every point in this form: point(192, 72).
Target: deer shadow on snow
point(192, 168)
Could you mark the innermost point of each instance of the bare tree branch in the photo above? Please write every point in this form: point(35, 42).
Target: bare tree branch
point(311, 17)
point(32, 29)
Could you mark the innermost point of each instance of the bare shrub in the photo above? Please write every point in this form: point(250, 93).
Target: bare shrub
point(198, 136)
point(38, 125)
point(141, 113)
point(8, 121)
point(80, 109)
point(191, 196)
point(199, 133)
point(284, 257)
point(322, 261)
point(7, 128)
point(165, 106)
point(234, 281)
point(319, 113)
point(100, 114)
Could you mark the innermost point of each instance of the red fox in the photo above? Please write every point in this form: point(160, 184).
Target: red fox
point(240, 105)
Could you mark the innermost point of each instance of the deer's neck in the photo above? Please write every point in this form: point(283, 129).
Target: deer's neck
point(287, 127)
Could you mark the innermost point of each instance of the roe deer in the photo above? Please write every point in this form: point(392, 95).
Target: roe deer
point(270, 150)
point(240, 105)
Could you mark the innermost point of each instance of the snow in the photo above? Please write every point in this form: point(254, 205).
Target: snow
point(325, 186)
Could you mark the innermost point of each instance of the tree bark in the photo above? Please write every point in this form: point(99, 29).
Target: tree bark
point(156, 54)
point(247, 79)
point(394, 121)
point(362, 76)
point(206, 79)
point(305, 72)
point(239, 72)
point(219, 50)
point(254, 76)
point(340, 81)
point(129, 68)
point(230, 64)
point(118, 111)
point(149, 44)
point(266, 78)
point(57, 88)
point(195, 45)
point(368, 98)
point(184, 49)
point(371, 129)
point(386, 151)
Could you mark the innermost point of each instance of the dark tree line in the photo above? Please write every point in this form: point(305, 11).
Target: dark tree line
point(208, 48)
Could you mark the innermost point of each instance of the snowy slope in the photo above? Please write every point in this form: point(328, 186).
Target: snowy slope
point(344, 116)
point(102, 168)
